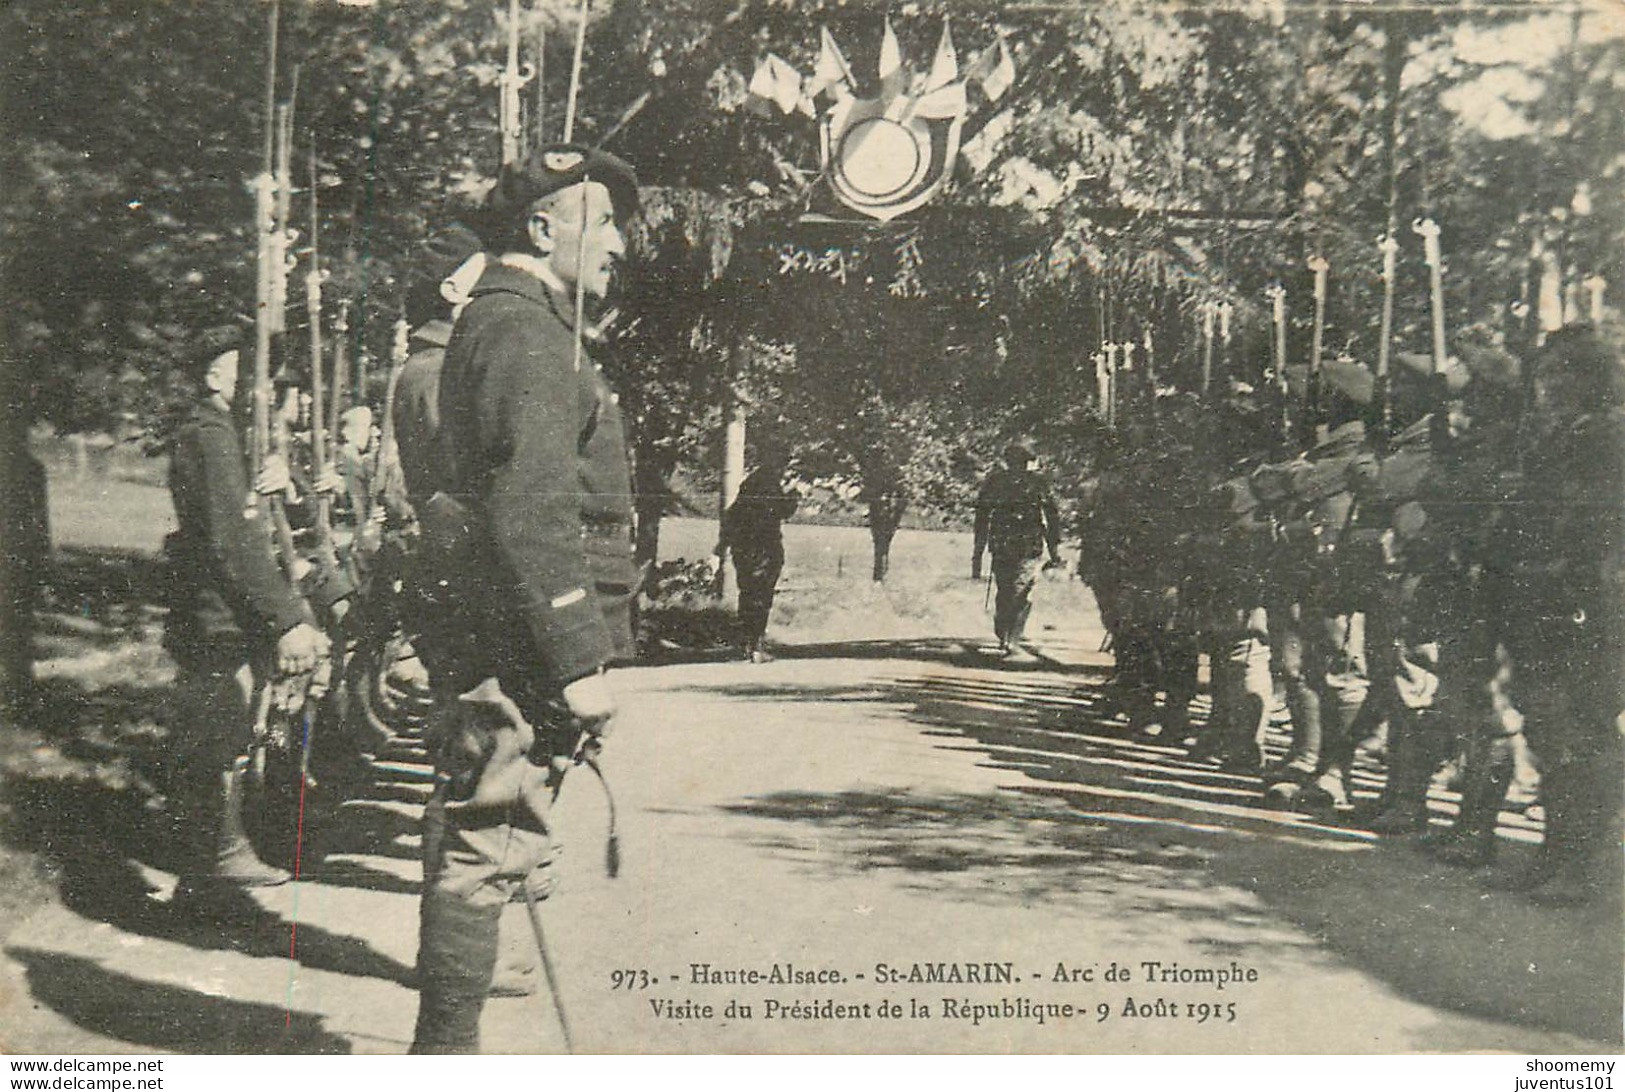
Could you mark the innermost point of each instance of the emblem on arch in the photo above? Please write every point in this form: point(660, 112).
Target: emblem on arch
point(886, 155)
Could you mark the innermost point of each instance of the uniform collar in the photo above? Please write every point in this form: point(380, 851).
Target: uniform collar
point(525, 275)
point(435, 332)
point(206, 407)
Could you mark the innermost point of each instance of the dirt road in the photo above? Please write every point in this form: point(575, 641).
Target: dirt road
point(881, 842)
point(837, 810)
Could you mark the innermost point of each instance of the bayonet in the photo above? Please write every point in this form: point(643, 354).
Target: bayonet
point(1321, 268)
point(1429, 231)
point(510, 83)
point(314, 277)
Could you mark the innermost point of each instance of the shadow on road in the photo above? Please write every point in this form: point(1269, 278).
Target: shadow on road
point(948, 651)
point(112, 891)
point(1128, 826)
point(166, 1017)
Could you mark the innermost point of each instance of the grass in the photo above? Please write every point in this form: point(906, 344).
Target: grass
point(85, 757)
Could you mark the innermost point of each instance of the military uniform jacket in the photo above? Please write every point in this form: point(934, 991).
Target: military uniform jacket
point(1016, 517)
point(535, 448)
point(752, 525)
point(227, 593)
point(417, 408)
point(1566, 557)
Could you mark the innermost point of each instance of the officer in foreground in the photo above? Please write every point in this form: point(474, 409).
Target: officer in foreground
point(532, 527)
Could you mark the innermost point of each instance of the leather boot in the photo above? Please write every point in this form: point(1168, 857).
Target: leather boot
point(1244, 741)
point(1554, 846)
point(1414, 756)
point(235, 861)
point(1587, 784)
point(1304, 702)
point(225, 856)
point(1470, 841)
point(457, 954)
point(517, 967)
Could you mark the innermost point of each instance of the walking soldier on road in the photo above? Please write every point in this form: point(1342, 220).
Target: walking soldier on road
point(1017, 522)
point(753, 529)
point(235, 622)
point(531, 527)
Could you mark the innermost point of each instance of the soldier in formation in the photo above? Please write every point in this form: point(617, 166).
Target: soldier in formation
point(1449, 597)
point(240, 630)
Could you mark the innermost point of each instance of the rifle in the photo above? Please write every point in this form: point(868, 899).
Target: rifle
point(318, 439)
point(389, 454)
point(1208, 315)
point(270, 268)
point(1277, 297)
point(512, 81)
point(282, 266)
point(1315, 431)
point(1111, 385)
point(1429, 231)
point(341, 339)
point(1150, 369)
point(1380, 403)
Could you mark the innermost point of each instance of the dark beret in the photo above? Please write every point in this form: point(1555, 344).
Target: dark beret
point(214, 341)
point(428, 266)
point(553, 168)
point(443, 253)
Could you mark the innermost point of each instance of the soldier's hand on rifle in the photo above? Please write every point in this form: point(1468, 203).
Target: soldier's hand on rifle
point(543, 880)
point(976, 567)
point(274, 476)
point(592, 702)
point(328, 481)
point(299, 649)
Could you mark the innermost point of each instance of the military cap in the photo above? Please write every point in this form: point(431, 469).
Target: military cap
point(1018, 453)
point(209, 345)
point(1349, 378)
point(1454, 375)
point(431, 264)
point(1585, 357)
point(1271, 482)
point(553, 168)
point(443, 253)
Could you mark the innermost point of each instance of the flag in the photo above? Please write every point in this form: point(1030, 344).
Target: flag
point(890, 70)
point(777, 82)
point(945, 65)
point(994, 70)
point(832, 76)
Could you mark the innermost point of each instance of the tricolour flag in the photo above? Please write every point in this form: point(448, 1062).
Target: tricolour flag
point(777, 82)
point(994, 70)
point(890, 69)
point(945, 65)
point(832, 76)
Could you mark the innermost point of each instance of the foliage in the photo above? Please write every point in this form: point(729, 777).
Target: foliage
point(1149, 159)
point(681, 611)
